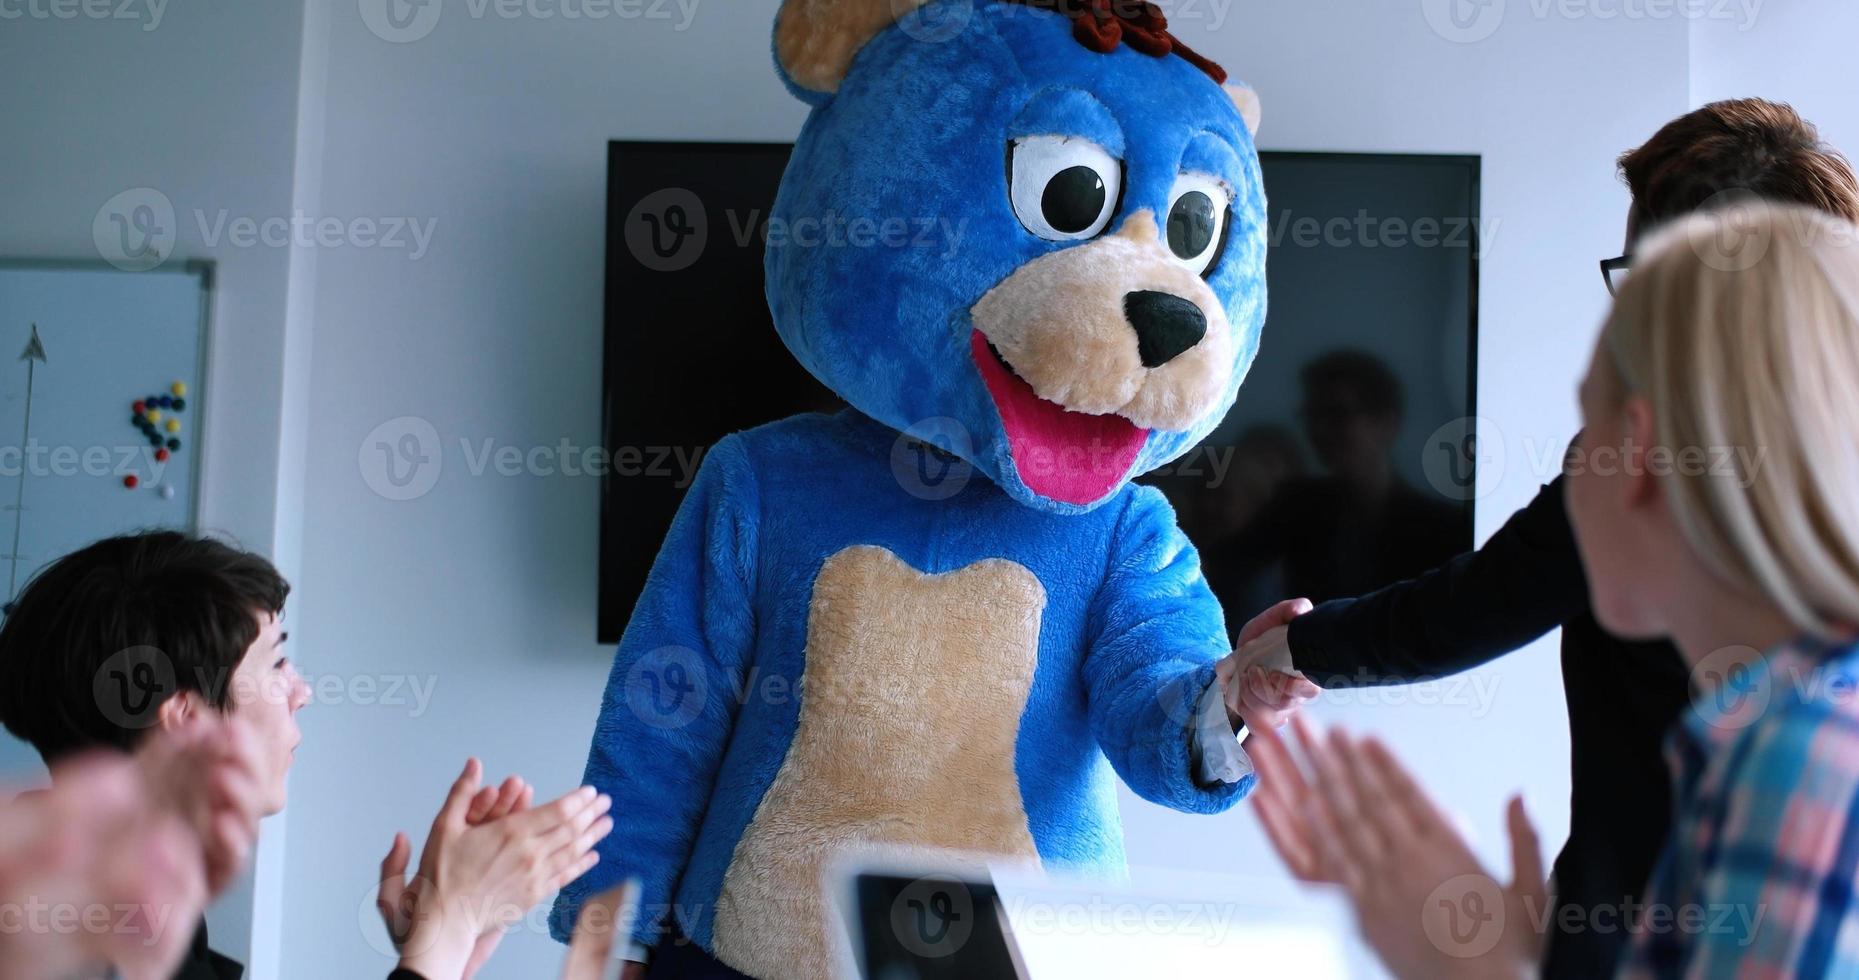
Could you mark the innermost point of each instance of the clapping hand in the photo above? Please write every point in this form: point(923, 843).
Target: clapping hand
point(148, 838)
point(488, 859)
point(208, 772)
point(491, 803)
point(1353, 816)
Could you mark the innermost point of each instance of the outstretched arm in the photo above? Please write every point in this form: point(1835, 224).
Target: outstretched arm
point(1156, 632)
point(667, 712)
point(1524, 582)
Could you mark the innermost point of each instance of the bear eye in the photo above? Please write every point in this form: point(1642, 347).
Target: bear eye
point(1197, 221)
point(1064, 189)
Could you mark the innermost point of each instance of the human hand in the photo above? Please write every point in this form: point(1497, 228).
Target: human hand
point(1281, 799)
point(100, 841)
point(477, 879)
point(492, 804)
point(393, 899)
point(208, 772)
point(1261, 687)
point(1421, 898)
point(604, 919)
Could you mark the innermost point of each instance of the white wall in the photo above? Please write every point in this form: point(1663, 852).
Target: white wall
point(492, 132)
point(1796, 51)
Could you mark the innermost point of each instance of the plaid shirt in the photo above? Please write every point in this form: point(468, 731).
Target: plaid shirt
point(1757, 878)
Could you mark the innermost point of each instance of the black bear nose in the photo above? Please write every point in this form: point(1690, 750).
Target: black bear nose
point(1166, 325)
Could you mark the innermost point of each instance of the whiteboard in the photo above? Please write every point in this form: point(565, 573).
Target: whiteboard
point(110, 338)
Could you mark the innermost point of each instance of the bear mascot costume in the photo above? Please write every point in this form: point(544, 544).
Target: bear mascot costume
point(945, 617)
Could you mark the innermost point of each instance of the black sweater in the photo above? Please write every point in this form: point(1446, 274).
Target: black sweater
point(1622, 699)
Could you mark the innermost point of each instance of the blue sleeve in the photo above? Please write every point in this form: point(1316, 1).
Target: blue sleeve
point(668, 711)
point(1156, 632)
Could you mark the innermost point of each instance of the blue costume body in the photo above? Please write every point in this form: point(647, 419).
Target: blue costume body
point(945, 618)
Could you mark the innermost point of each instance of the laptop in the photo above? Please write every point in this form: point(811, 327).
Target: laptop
point(929, 919)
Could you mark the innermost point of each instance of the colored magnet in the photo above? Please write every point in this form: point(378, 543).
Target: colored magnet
point(174, 444)
point(161, 455)
point(130, 481)
point(154, 415)
point(179, 388)
point(167, 492)
point(174, 425)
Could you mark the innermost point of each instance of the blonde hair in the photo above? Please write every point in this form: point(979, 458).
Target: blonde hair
point(1741, 328)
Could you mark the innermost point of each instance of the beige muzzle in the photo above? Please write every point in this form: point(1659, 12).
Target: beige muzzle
point(1062, 323)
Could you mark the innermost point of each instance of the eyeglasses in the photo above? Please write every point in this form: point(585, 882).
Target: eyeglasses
point(1614, 273)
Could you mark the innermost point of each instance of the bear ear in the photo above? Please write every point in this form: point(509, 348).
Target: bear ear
point(1247, 102)
point(816, 40)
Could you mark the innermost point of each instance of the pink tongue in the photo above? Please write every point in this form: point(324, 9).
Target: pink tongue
point(1060, 454)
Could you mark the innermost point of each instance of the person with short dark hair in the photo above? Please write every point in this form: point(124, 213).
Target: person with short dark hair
point(102, 641)
point(143, 632)
point(1623, 697)
point(1737, 148)
point(161, 631)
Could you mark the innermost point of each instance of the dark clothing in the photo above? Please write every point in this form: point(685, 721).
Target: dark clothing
point(1622, 699)
point(202, 963)
point(676, 957)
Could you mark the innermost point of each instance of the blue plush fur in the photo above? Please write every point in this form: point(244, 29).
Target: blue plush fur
point(1129, 632)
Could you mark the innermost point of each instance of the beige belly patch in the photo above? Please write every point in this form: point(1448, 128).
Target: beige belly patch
point(910, 706)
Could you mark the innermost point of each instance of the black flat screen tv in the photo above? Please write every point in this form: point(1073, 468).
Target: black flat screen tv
point(1319, 481)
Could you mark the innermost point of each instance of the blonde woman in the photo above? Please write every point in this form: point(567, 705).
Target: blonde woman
point(1715, 501)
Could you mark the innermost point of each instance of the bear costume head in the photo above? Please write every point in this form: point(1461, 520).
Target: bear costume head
point(1028, 232)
